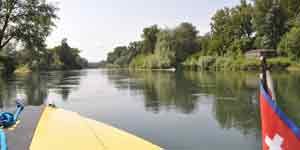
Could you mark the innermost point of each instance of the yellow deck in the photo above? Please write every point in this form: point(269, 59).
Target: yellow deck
point(63, 130)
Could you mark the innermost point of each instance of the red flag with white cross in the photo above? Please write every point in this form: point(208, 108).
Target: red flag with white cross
point(278, 131)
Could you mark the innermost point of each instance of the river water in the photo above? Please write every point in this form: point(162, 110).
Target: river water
point(179, 111)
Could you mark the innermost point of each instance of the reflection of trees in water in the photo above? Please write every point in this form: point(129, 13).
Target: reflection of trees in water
point(235, 104)
point(35, 86)
point(36, 89)
point(64, 82)
point(32, 87)
point(236, 94)
point(160, 89)
point(168, 90)
point(287, 87)
point(6, 92)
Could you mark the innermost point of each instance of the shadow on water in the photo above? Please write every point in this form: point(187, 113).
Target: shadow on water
point(34, 88)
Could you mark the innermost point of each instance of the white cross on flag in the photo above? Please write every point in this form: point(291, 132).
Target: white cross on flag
point(278, 131)
point(274, 144)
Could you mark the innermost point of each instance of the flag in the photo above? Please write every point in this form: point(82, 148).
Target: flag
point(278, 131)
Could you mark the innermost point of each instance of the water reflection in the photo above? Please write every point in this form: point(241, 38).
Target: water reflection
point(161, 90)
point(209, 106)
point(65, 82)
point(34, 89)
point(234, 95)
point(235, 102)
point(287, 87)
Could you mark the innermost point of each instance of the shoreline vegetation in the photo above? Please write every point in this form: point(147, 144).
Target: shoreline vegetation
point(25, 26)
point(62, 57)
point(259, 25)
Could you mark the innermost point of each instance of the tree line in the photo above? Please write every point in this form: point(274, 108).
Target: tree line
point(257, 24)
point(24, 27)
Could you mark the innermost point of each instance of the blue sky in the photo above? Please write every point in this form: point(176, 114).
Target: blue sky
point(97, 26)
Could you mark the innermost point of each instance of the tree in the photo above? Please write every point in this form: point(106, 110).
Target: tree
point(69, 56)
point(230, 28)
point(292, 8)
point(222, 31)
point(135, 47)
point(116, 54)
point(242, 16)
point(204, 42)
point(150, 38)
point(290, 43)
point(165, 49)
point(270, 22)
point(185, 41)
point(28, 21)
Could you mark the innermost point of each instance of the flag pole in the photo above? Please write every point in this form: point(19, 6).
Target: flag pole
point(264, 72)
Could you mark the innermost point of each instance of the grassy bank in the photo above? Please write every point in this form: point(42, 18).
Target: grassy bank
point(210, 63)
point(231, 63)
point(199, 62)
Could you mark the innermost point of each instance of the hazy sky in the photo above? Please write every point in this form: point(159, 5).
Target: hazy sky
point(97, 26)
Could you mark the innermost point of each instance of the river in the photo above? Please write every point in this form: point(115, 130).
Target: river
point(178, 111)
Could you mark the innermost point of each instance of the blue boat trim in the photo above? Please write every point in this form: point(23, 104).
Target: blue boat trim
point(3, 140)
point(279, 112)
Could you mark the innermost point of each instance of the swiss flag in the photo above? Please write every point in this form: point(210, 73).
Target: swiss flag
point(278, 131)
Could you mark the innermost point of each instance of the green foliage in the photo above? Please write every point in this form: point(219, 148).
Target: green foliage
point(150, 38)
point(204, 43)
point(166, 49)
point(290, 43)
point(232, 30)
point(69, 57)
point(142, 61)
point(8, 59)
point(239, 46)
point(185, 44)
point(152, 61)
point(280, 62)
point(221, 33)
point(122, 56)
point(28, 21)
point(197, 62)
point(59, 57)
point(170, 47)
point(269, 24)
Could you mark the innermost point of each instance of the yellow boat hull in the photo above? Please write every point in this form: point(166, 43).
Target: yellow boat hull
point(64, 130)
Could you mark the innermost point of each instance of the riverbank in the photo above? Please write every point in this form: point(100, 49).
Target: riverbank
point(25, 70)
point(231, 63)
point(216, 63)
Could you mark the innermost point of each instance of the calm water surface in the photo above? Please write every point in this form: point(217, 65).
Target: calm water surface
point(178, 111)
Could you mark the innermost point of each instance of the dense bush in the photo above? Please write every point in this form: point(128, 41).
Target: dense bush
point(290, 44)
